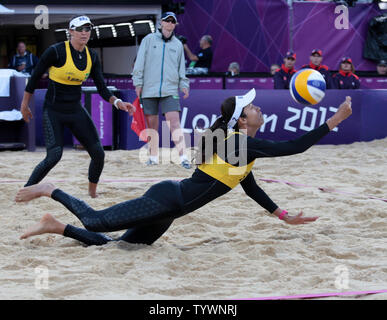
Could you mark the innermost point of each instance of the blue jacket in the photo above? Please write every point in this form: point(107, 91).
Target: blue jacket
point(282, 77)
point(30, 60)
point(345, 80)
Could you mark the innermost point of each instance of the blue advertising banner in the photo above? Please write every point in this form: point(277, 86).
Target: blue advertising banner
point(284, 118)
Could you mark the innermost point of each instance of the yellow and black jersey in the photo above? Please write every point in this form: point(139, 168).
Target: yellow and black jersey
point(68, 73)
point(68, 69)
point(219, 176)
point(150, 216)
point(229, 174)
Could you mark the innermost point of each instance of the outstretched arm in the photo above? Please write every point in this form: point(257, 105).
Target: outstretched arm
point(258, 148)
point(251, 188)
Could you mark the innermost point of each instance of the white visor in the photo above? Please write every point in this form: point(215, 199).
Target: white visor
point(240, 103)
point(79, 21)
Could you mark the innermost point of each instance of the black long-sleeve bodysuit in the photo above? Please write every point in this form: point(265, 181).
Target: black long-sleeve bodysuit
point(149, 216)
point(62, 108)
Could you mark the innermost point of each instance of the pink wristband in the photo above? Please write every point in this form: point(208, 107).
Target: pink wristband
point(281, 216)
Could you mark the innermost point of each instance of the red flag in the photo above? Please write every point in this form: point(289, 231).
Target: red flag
point(138, 121)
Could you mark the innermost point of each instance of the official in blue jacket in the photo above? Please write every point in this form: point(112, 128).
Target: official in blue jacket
point(315, 60)
point(346, 78)
point(23, 61)
point(283, 75)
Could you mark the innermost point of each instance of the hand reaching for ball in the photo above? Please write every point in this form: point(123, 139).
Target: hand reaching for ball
point(344, 111)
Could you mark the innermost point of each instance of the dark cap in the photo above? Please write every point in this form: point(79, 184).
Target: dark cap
point(346, 59)
point(382, 63)
point(318, 51)
point(166, 15)
point(290, 54)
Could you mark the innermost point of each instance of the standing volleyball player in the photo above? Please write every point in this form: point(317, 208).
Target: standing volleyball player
point(70, 63)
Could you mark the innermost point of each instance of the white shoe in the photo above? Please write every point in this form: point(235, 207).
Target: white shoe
point(185, 164)
point(151, 162)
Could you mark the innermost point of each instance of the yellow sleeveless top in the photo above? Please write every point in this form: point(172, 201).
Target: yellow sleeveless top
point(69, 74)
point(224, 172)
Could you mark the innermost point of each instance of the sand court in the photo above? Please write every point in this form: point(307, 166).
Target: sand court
point(228, 249)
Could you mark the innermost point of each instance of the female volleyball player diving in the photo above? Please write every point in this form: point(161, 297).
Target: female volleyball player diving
point(70, 63)
point(227, 160)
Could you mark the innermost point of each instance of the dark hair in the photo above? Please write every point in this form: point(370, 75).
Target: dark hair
point(219, 126)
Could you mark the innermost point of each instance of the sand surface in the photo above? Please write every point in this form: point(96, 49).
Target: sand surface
point(228, 249)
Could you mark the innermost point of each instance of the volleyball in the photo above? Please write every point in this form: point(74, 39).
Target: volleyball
point(307, 86)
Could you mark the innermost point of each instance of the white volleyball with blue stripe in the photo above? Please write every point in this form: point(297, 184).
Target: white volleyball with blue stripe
point(307, 86)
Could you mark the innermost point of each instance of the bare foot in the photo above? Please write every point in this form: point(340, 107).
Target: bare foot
point(48, 224)
point(35, 191)
point(93, 190)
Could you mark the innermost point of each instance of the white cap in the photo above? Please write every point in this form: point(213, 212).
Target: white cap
point(79, 21)
point(240, 103)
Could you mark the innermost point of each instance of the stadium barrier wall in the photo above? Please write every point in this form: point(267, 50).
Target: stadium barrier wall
point(284, 118)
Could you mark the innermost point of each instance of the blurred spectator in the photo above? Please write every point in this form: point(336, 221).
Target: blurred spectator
point(200, 63)
point(23, 61)
point(345, 78)
point(381, 68)
point(273, 68)
point(283, 75)
point(233, 69)
point(316, 58)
